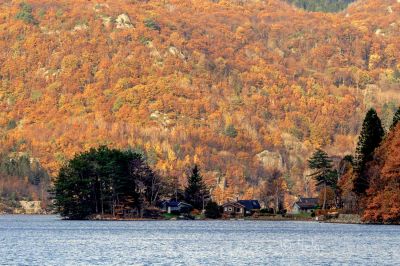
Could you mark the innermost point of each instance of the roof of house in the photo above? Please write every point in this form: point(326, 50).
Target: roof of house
point(250, 204)
point(184, 204)
point(307, 203)
point(175, 204)
point(234, 204)
point(170, 203)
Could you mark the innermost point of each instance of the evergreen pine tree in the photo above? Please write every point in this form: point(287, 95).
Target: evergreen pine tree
point(196, 191)
point(396, 119)
point(322, 165)
point(231, 131)
point(370, 137)
point(212, 210)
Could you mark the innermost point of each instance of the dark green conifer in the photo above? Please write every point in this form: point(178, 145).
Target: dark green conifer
point(322, 165)
point(231, 131)
point(370, 137)
point(196, 192)
point(212, 210)
point(25, 14)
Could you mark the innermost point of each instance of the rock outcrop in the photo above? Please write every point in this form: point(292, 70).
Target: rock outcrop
point(123, 22)
point(30, 207)
point(271, 160)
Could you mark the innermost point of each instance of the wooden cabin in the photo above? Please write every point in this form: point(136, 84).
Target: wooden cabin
point(304, 205)
point(233, 209)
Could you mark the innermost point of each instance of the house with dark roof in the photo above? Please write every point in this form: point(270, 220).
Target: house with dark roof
point(305, 205)
point(233, 209)
point(251, 206)
point(240, 208)
point(176, 207)
point(170, 206)
point(185, 207)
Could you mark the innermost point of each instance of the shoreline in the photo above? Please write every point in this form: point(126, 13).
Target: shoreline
point(262, 218)
point(340, 220)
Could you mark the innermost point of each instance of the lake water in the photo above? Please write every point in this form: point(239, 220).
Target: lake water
point(47, 240)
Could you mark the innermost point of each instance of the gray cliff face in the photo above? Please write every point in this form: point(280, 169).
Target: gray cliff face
point(271, 160)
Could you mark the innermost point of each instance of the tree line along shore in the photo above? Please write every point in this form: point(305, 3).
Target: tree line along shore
point(106, 183)
point(113, 182)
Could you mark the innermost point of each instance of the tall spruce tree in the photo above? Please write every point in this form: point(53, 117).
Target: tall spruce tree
point(396, 119)
point(323, 174)
point(196, 192)
point(370, 137)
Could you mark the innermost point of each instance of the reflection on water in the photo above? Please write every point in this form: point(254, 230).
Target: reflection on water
point(47, 240)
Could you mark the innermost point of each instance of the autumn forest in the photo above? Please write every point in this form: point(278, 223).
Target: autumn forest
point(246, 89)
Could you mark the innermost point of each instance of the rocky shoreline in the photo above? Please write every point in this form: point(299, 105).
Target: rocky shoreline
point(344, 219)
point(24, 207)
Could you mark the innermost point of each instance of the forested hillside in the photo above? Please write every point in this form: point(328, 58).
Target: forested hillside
point(383, 195)
point(370, 182)
point(321, 5)
point(245, 89)
point(21, 178)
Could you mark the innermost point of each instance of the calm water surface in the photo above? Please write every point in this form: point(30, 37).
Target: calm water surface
point(47, 240)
